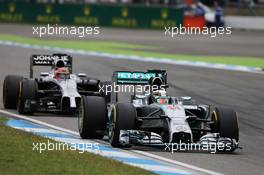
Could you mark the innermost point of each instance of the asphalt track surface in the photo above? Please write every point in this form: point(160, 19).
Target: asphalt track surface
point(241, 91)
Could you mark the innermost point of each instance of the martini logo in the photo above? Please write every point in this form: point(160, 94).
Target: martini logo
point(86, 11)
point(124, 12)
point(12, 7)
point(164, 14)
point(48, 9)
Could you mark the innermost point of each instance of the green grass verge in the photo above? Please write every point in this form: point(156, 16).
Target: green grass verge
point(132, 49)
point(2, 120)
point(18, 158)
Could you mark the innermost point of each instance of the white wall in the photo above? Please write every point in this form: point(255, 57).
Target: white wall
point(245, 22)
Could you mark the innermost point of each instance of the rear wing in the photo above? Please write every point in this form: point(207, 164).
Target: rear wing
point(49, 60)
point(138, 78)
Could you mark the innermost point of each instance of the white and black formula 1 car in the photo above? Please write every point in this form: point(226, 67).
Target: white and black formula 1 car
point(58, 91)
point(153, 117)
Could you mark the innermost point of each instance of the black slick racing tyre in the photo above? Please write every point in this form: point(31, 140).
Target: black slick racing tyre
point(105, 85)
point(123, 117)
point(27, 93)
point(11, 91)
point(226, 123)
point(92, 114)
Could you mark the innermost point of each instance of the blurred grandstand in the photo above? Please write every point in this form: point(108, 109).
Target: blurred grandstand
point(231, 7)
point(137, 13)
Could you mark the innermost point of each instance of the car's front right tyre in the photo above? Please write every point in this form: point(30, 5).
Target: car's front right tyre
point(225, 123)
point(27, 93)
point(123, 117)
point(11, 91)
point(92, 114)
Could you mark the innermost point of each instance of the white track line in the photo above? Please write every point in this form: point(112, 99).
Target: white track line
point(38, 122)
point(36, 130)
point(162, 159)
point(176, 162)
point(158, 168)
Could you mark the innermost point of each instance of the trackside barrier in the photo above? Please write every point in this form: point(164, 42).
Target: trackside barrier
point(92, 14)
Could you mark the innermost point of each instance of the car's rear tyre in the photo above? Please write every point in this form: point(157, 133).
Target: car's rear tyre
point(105, 85)
point(11, 91)
point(123, 117)
point(92, 114)
point(27, 93)
point(225, 123)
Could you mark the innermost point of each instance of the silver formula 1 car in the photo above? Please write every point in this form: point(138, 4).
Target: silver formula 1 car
point(58, 91)
point(155, 118)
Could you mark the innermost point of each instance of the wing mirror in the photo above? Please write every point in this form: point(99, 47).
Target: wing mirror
point(186, 98)
point(82, 75)
point(44, 74)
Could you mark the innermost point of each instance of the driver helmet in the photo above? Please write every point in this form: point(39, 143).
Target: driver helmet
point(161, 96)
point(61, 73)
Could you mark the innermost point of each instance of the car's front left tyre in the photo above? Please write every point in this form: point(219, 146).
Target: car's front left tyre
point(106, 86)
